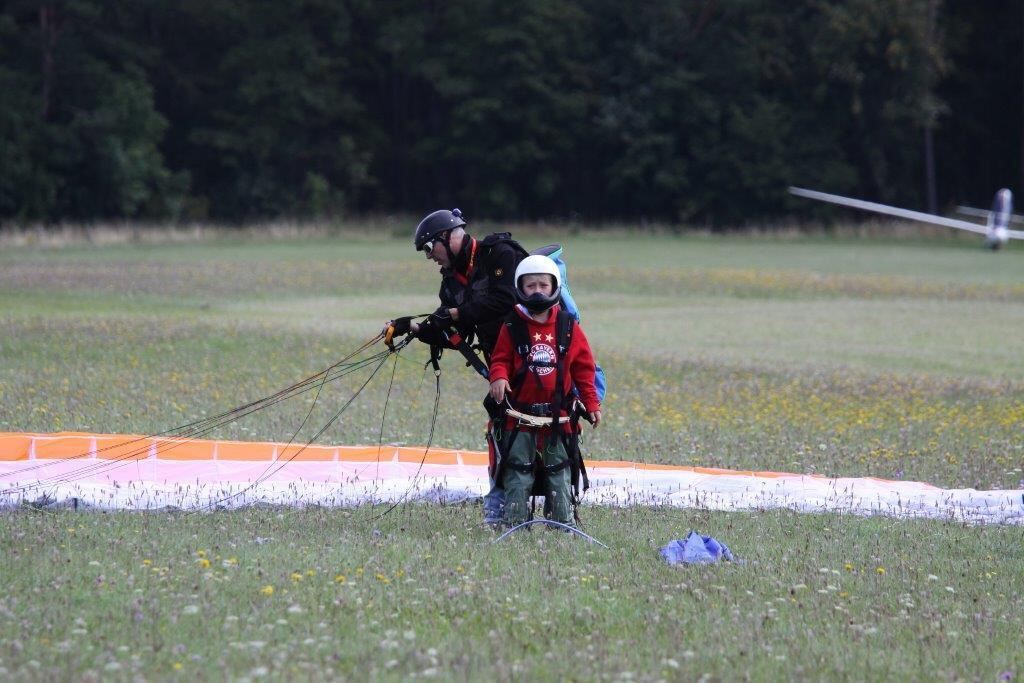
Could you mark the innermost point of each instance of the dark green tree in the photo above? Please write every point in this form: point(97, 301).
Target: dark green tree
point(490, 101)
point(876, 66)
point(270, 122)
point(980, 142)
point(698, 111)
point(89, 148)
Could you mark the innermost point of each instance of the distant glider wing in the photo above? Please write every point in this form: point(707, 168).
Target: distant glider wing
point(890, 210)
point(983, 214)
point(973, 212)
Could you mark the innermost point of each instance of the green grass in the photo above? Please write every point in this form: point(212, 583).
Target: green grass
point(840, 357)
point(328, 594)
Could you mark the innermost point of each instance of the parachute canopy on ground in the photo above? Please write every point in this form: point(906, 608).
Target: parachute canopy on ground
point(113, 471)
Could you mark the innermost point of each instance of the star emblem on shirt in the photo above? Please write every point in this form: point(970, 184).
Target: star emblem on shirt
point(536, 337)
point(549, 338)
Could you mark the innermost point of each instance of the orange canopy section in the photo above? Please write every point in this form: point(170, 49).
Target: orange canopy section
point(80, 445)
point(16, 446)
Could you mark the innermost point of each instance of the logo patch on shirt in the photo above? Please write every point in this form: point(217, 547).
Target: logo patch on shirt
point(498, 272)
point(544, 354)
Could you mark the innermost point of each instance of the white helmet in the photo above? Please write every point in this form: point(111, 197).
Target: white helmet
point(538, 265)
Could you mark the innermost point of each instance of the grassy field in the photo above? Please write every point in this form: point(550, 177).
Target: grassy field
point(841, 357)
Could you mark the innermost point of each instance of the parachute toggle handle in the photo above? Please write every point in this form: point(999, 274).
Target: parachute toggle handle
point(389, 340)
point(389, 336)
point(397, 328)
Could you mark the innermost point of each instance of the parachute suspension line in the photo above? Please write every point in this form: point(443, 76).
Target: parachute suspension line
point(181, 431)
point(126, 459)
point(395, 349)
point(204, 426)
point(413, 409)
point(199, 427)
point(332, 420)
point(384, 412)
point(210, 425)
point(430, 441)
point(271, 470)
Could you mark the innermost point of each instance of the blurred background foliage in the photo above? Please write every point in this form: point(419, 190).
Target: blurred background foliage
point(682, 111)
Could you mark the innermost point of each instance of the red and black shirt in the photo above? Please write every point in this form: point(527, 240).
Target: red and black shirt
point(538, 385)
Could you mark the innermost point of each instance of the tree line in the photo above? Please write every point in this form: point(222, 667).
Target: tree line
point(686, 111)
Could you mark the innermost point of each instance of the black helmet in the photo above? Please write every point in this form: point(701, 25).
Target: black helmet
point(436, 223)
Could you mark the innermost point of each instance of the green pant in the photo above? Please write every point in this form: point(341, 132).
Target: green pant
point(518, 483)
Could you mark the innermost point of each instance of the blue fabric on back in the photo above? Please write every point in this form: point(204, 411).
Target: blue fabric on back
point(554, 252)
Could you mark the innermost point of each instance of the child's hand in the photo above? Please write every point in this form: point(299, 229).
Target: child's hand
point(595, 418)
point(498, 389)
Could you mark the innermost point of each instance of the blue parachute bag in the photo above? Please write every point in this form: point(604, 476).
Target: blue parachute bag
point(696, 549)
point(554, 252)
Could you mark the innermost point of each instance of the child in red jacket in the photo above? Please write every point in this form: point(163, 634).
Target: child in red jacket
point(540, 356)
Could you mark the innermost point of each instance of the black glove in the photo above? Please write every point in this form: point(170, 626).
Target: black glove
point(428, 332)
point(442, 316)
point(400, 326)
point(434, 332)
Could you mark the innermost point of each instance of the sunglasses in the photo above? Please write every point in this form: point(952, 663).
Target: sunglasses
point(428, 246)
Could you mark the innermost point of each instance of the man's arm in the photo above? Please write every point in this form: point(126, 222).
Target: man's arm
point(429, 335)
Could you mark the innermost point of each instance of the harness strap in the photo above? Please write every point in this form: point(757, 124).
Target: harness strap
point(464, 276)
point(537, 421)
point(551, 469)
point(506, 444)
point(521, 344)
point(563, 340)
point(563, 337)
point(472, 360)
point(435, 356)
point(525, 468)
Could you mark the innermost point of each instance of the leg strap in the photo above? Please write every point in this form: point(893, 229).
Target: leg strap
point(552, 469)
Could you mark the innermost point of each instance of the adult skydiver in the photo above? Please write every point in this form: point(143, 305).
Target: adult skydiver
point(477, 292)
